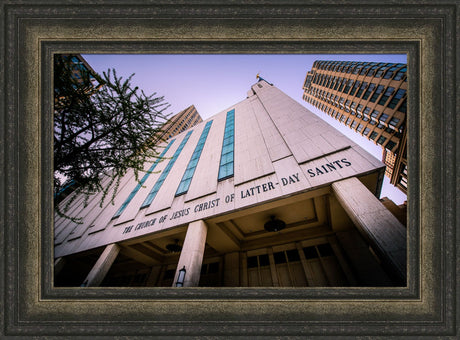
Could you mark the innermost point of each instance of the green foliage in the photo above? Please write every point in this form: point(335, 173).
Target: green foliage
point(102, 128)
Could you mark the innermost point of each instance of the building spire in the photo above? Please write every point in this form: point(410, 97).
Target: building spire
point(259, 78)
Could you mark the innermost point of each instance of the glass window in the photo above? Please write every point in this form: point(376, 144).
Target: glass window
point(403, 106)
point(190, 170)
point(390, 72)
point(279, 257)
point(325, 250)
point(353, 106)
point(372, 70)
point(360, 127)
point(227, 154)
point(373, 135)
point(349, 84)
point(389, 91)
point(364, 70)
point(380, 71)
point(390, 129)
point(375, 113)
point(369, 91)
point(377, 93)
point(225, 171)
point(361, 89)
point(355, 87)
point(150, 197)
point(396, 98)
point(381, 140)
point(401, 73)
point(338, 82)
point(366, 131)
point(333, 83)
point(394, 121)
point(310, 252)
point(142, 181)
point(383, 117)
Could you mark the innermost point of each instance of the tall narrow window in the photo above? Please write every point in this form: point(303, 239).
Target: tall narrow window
point(144, 178)
point(187, 178)
point(165, 172)
point(227, 156)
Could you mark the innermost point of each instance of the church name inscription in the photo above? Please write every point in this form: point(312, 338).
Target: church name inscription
point(328, 167)
point(248, 192)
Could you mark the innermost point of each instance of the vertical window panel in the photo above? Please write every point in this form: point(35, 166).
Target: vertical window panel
point(190, 170)
point(227, 155)
point(142, 181)
point(165, 172)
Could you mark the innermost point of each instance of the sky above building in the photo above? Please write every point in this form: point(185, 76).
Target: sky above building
point(213, 83)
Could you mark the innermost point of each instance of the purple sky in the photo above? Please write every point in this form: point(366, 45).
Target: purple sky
point(215, 82)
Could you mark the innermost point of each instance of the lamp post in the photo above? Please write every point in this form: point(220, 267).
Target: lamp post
point(181, 277)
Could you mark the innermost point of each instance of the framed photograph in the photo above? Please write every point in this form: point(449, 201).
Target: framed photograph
point(269, 237)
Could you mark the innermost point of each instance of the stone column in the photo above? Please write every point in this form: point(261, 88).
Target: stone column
point(377, 224)
point(102, 266)
point(192, 253)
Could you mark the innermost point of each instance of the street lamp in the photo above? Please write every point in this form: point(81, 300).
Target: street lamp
point(181, 277)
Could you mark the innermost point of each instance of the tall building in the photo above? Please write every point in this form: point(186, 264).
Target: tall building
point(79, 67)
point(181, 122)
point(264, 193)
point(370, 98)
